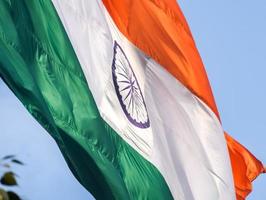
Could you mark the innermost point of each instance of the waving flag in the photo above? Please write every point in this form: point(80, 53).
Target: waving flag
point(120, 86)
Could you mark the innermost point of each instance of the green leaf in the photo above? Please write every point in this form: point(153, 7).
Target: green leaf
point(3, 195)
point(8, 157)
point(17, 161)
point(6, 165)
point(13, 196)
point(8, 179)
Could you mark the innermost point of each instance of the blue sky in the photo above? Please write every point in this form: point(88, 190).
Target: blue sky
point(231, 38)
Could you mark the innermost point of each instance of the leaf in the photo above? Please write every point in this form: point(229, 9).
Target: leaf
point(8, 179)
point(17, 162)
point(3, 195)
point(13, 196)
point(6, 165)
point(8, 157)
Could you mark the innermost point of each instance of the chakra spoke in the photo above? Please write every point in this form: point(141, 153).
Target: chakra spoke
point(123, 75)
point(125, 88)
point(124, 82)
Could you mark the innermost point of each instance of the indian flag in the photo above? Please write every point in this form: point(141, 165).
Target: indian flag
point(120, 86)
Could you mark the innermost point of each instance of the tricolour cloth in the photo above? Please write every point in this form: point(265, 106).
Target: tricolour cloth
point(123, 91)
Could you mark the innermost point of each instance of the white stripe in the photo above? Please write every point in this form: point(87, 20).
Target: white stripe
point(185, 140)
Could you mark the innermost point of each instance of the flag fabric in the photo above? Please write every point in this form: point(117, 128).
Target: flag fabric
point(122, 89)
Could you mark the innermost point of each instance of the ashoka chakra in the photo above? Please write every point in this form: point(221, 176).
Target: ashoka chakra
point(128, 90)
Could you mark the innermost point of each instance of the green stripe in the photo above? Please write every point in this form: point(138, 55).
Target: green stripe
point(39, 65)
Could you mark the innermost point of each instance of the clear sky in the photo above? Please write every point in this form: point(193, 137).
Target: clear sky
point(231, 38)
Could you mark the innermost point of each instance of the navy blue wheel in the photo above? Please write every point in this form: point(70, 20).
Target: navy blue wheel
point(128, 90)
